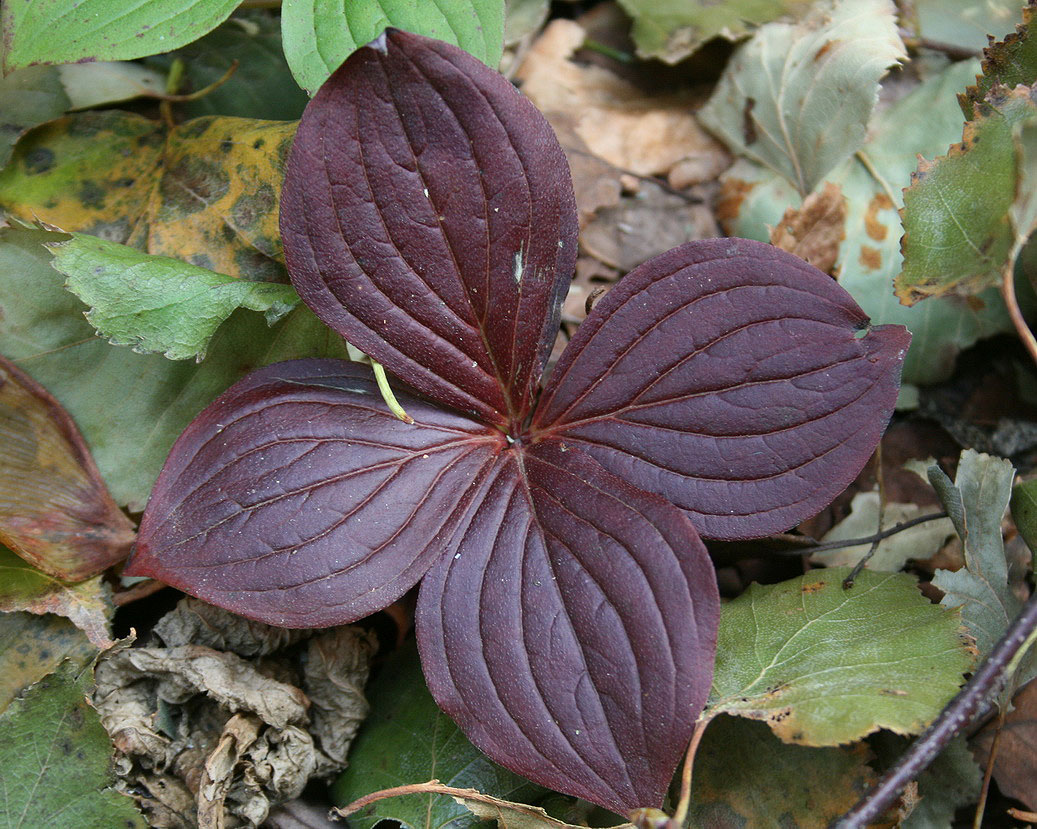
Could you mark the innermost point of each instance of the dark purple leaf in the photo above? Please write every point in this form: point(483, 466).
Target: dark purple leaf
point(731, 378)
point(298, 499)
point(428, 217)
point(571, 633)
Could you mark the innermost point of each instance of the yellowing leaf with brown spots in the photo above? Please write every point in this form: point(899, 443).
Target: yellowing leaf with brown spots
point(55, 510)
point(747, 778)
point(824, 666)
point(206, 192)
point(33, 646)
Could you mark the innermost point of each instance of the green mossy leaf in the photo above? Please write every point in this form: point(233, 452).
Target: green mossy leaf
point(320, 34)
point(407, 739)
point(55, 759)
point(157, 304)
point(823, 665)
point(67, 31)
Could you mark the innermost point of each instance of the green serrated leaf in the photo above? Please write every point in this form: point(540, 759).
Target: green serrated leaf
point(747, 778)
point(33, 646)
point(1024, 513)
point(959, 210)
point(130, 407)
point(1007, 62)
point(797, 98)
point(27, 98)
point(261, 86)
point(673, 29)
point(923, 122)
point(823, 665)
point(965, 24)
point(156, 304)
point(55, 759)
point(407, 739)
point(67, 31)
point(320, 34)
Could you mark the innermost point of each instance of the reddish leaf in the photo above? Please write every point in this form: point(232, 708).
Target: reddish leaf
point(730, 377)
point(571, 634)
point(428, 217)
point(298, 499)
point(55, 510)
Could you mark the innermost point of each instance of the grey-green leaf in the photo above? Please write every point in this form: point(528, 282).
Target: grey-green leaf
point(66, 31)
point(156, 303)
point(797, 98)
point(55, 759)
point(28, 98)
point(320, 34)
point(1024, 512)
point(823, 665)
point(407, 739)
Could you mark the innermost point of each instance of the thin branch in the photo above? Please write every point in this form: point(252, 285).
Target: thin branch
point(977, 822)
point(681, 813)
point(139, 591)
point(868, 539)
point(1008, 293)
point(881, 479)
point(957, 715)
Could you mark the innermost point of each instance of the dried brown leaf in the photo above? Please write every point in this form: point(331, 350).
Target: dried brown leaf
point(814, 231)
point(1015, 767)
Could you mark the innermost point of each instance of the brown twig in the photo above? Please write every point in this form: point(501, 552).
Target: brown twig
point(1012, 303)
point(977, 821)
point(681, 813)
point(868, 539)
point(141, 590)
point(881, 480)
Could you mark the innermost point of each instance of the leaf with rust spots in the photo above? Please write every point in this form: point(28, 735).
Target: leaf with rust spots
point(54, 752)
point(207, 192)
point(55, 510)
point(87, 604)
point(925, 121)
point(967, 213)
point(812, 88)
point(823, 665)
point(33, 646)
point(746, 778)
point(814, 231)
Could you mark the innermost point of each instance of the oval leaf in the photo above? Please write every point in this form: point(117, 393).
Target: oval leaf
point(320, 34)
point(428, 210)
point(55, 510)
point(728, 376)
point(571, 634)
point(299, 500)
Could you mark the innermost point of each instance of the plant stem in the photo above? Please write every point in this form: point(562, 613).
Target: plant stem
point(387, 395)
point(881, 480)
point(681, 813)
point(977, 821)
point(871, 539)
point(1008, 293)
point(956, 716)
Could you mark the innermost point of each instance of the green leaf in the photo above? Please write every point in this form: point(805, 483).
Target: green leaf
point(158, 304)
point(129, 407)
point(108, 82)
point(261, 86)
point(965, 23)
point(823, 665)
point(672, 29)
point(28, 98)
point(1007, 62)
point(963, 225)
point(745, 778)
point(407, 739)
point(86, 604)
point(1024, 513)
point(797, 98)
point(320, 34)
point(55, 759)
point(33, 646)
point(67, 31)
point(923, 122)
point(523, 17)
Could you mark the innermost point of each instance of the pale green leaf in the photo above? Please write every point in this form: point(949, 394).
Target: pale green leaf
point(107, 82)
point(66, 31)
point(28, 97)
point(823, 665)
point(745, 777)
point(155, 303)
point(129, 407)
point(1024, 513)
point(407, 739)
point(797, 98)
point(673, 29)
point(523, 17)
point(55, 760)
point(320, 34)
point(891, 554)
point(965, 23)
point(923, 122)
